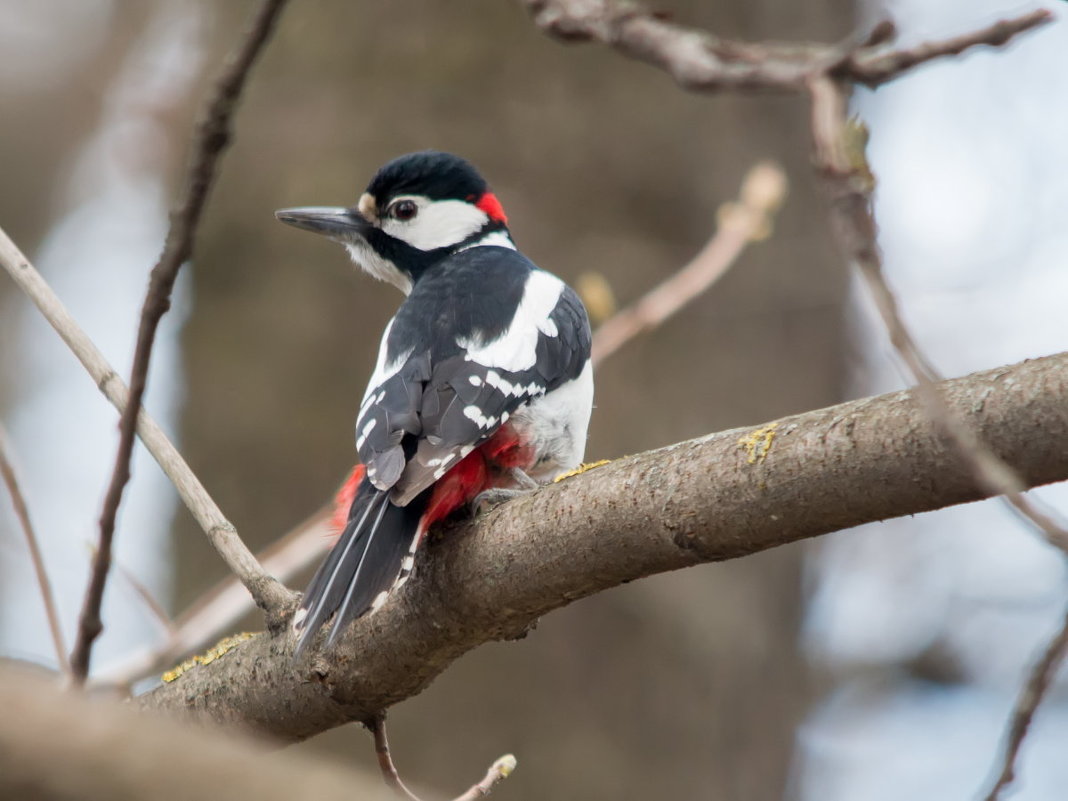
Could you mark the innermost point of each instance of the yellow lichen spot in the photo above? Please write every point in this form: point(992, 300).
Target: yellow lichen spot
point(582, 468)
point(757, 443)
point(221, 647)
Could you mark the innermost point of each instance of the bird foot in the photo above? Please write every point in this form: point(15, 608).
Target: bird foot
point(491, 498)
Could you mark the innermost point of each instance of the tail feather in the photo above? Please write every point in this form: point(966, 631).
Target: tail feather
point(364, 565)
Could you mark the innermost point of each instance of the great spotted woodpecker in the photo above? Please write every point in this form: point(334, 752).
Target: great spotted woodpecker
point(483, 382)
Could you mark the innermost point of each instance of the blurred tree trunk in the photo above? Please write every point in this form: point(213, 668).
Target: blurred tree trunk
point(660, 689)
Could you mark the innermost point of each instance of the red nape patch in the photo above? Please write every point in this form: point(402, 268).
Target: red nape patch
point(489, 204)
point(344, 498)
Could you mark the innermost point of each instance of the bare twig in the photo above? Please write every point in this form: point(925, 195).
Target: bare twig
point(218, 610)
point(212, 137)
point(377, 727)
point(701, 62)
point(500, 769)
point(264, 589)
point(154, 607)
point(1034, 690)
point(22, 512)
point(871, 67)
point(745, 221)
point(841, 161)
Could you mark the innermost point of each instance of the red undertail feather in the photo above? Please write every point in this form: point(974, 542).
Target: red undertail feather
point(480, 470)
point(344, 498)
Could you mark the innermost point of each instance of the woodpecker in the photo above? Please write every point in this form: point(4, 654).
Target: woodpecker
point(483, 385)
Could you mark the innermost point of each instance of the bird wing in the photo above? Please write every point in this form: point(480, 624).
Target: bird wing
point(434, 399)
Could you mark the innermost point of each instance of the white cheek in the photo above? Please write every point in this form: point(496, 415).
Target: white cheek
point(438, 224)
point(376, 266)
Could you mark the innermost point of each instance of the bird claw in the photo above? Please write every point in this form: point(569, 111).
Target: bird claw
point(492, 498)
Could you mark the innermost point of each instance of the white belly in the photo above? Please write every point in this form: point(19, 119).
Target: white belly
point(556, 426)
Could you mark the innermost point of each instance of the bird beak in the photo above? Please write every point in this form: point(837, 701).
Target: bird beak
point(336, 223)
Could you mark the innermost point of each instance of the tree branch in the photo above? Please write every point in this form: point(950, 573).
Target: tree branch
point(1038, 682)
point(217, 611)
point(719, 497)
point(745, 221)
point(221, 532)
point(22, 512)
point(212, 137)
point(843, 167)
point(701, 62)
point(57, 746)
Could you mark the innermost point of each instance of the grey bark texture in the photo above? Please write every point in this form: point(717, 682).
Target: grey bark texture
point(718, 497)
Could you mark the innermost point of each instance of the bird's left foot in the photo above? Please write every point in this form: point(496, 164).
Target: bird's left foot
point(488, 499)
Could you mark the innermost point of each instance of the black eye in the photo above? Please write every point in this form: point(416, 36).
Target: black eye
point(403, 210)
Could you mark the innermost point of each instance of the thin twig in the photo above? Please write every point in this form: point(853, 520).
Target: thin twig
point(212, 137)
point(218, 610)
point(266, 591)
point(871, 67)
point(154, 607)
point(500, 769)
point(1031, 695)
point(377, 726)
point(745, 221)
point(841, 161)
point(701, 62)
point(22, 512)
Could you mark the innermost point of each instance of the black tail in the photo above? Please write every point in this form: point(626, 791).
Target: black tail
point(367, 561)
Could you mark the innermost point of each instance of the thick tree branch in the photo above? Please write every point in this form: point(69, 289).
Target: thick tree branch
point(57, 746)
point(701, 62)
point(212, 137)
point(719, 497)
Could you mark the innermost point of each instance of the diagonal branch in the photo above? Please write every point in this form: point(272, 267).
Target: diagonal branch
point(212, 137)
point(22, 512)
point(719, 497)
point(267, 592)
point(841, 162)
point(217, 611)
point(1038, 683)
point(741, 223)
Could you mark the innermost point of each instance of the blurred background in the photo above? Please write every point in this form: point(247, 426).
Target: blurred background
point(870, 665)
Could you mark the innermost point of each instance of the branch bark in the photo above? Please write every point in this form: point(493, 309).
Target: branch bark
point(701, 62)
point(58, 746)
point(719, 497)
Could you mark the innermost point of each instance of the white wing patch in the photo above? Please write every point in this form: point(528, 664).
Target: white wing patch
point(367, 429)
point(383, 370)
point(474, 414)
point(516, 349)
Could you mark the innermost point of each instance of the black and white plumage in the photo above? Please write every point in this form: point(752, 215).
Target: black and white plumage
point(483, 375)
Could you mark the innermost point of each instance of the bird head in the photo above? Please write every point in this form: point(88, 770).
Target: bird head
point(417, 209)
